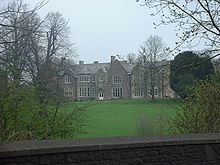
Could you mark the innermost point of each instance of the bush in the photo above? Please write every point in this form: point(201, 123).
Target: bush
point(21, 117)
point(200, 113)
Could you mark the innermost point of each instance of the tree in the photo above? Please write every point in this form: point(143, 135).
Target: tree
point(200, 113)
point(131, 57)
point(19, 24)
point(151, 52)
point(197, 21)
point(50, 55)
point(32, 54)
point(216, 64)
point(186, 69)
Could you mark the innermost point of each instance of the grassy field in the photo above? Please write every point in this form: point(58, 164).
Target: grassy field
point(119, 117)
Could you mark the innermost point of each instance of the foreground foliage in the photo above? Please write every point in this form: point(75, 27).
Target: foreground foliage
point(200, 113)
point(22, 119)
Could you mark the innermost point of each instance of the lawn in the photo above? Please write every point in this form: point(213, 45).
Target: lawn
point(119, 117)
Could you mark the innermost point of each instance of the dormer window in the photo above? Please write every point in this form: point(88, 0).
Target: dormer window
point(67, 79)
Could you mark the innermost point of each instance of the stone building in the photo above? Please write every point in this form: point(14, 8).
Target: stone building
point(113, 80)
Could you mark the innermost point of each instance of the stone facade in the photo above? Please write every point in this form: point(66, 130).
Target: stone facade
point(194, 149)
point(113, 80)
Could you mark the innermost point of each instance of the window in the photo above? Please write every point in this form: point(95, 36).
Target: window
point(67, 79)
point(68, 91)
point(117, 80)
point(84, 92)
point(138, 78)
point(84, 78)
point(93, 78)
point(138, 91)
point(101, 78)
point(88, 91)
point(156, 91)
point(117, 92)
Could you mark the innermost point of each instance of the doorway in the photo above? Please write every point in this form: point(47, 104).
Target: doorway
point(101, 95)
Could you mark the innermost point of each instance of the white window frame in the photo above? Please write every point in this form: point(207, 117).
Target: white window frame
point(138, 91)
point(68, 91)
point(101, 78)
point(67, 79)
point(84, 92)
point(138, 78)
point(117, 92)
point(84, 78)
point(117, 79)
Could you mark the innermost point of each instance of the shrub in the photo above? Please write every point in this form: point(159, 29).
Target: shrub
point(21, 117)
point(200, 113)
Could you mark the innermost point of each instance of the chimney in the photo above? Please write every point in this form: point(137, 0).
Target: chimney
point(112, 59)
point(81, 62)
point(96, 62)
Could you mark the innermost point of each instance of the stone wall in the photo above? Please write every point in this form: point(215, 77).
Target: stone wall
point(192, 149)
point(117, 69)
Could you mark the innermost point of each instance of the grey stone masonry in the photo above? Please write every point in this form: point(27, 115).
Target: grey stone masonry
point(182, 149)
point(114, 80)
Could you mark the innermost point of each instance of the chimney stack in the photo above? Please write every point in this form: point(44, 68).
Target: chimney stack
point(81, 62)
point(112, 59)
point(96, 62)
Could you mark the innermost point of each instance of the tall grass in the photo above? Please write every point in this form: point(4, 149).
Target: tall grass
point(146, 125)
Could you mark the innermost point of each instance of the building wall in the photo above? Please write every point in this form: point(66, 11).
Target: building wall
point(72, 85)
point(101, 84)
point(136, 84)
point(117, 69)
point(104, 83)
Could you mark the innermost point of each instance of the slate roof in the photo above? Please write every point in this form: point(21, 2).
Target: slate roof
point(128, 67)
point(95, 67)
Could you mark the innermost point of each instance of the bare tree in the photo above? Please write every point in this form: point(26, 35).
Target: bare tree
point(50, 52)
point(18, 25)
point(17, 9)
point(151, 53)
point(131, 57)
point(198, 21)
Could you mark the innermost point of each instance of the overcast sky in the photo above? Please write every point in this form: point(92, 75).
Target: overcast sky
point(102, 28)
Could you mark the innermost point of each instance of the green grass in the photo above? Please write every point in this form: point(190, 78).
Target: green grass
point(119, 117)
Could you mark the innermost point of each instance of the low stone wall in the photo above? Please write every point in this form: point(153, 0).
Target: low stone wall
point(195, 149)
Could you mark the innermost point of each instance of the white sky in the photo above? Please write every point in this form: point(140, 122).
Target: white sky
point(102, 28)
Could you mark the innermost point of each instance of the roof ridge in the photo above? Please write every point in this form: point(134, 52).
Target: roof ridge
point(94, 63)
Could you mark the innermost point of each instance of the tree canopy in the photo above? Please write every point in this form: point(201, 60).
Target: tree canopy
point(186, 69)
